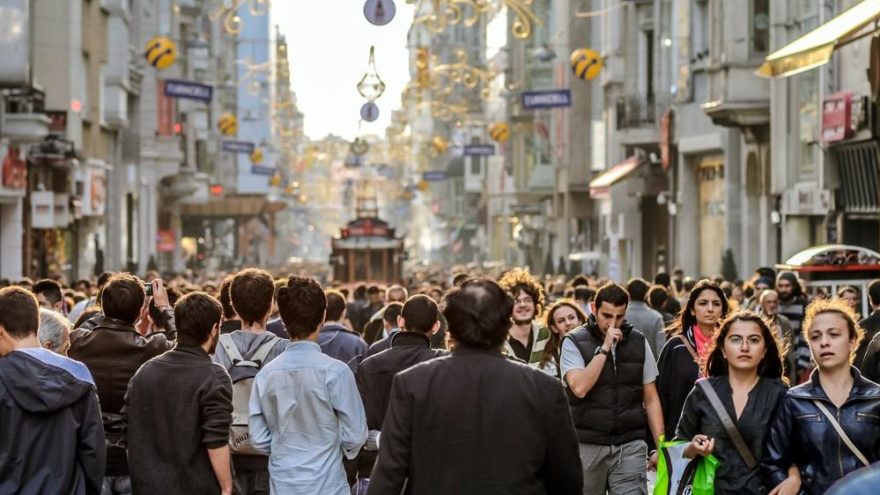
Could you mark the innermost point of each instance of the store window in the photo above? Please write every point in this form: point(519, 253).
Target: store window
point(760, 34)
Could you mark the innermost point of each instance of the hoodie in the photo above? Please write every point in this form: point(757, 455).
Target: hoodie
point(51, 435)
point(341, 343)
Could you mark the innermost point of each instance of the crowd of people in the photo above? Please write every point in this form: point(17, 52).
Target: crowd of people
point(502, 383)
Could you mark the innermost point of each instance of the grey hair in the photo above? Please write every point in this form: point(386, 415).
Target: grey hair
point(53, 327)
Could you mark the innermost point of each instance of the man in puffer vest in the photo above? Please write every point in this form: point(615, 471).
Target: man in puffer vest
point(610, 372)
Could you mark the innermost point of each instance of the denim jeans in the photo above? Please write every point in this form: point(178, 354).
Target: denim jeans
point(615, 469)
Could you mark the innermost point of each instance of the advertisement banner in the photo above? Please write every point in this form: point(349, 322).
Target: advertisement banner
point(166, 241)
point(43, 210)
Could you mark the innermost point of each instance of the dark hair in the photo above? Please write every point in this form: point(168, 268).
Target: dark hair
point(391, 312)
point(519, 280)
point(87, 315)
point(580, 280)
point(103, 278)
point(251, 293)
point(478, 313)
point(874, 292)
point(686, 319)
point(195, 316)
point(360, 292)
point(226, 298)
point(637, 289)
point(584, 293)
point(663, 279)
point(302, 304)
point(19, 312)
point(50, 289)
point(840, 292)
point(459, 278)
point(374, 289)
point(335, 304)
point(657, 296)
point(123, 297)
point(688, 284)
point(157, 316)
point(554, 344)
point(771, 366)
point(420, 313)
point(613, 294)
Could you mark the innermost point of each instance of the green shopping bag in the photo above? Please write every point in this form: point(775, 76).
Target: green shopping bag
point(677, 474)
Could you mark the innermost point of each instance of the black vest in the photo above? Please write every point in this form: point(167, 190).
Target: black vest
point(613, 411)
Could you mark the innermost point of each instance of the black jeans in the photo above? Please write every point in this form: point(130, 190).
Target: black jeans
point(361, 466)
point(252, 482)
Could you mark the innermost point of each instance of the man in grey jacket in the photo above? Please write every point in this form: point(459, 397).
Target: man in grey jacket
point(642, 317)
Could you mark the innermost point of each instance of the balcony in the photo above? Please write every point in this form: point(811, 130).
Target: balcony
point(736, 97)
point(639, 111)
point(24, 120)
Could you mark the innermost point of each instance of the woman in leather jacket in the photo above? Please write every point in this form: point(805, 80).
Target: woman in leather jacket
point(801, 433)
point(745, 370)
point(687, 347)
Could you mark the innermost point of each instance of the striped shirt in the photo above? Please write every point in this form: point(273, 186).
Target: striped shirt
point(539, 336)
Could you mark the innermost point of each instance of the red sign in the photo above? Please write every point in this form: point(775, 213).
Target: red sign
point(166, 241)
point(837, 117)
point(14, 170)
point(366, 228)
point(166, 111)
point(217, 190)
point(666, 138)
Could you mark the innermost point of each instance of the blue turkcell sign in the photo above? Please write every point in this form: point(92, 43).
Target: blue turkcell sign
point(532, 100)
point(434, 175)
point(261, 170)
point(238, 146)
point(479, 149)
point(176, 88)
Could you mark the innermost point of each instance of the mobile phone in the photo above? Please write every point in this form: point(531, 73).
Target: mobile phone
point(148, 288)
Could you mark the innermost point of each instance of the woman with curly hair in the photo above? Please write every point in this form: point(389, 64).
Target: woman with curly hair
point(528, 338)
point(829, 426)
point(687, 347)
point(562, 317)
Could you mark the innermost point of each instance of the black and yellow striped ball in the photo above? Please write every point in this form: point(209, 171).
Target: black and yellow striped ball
point(227, 124)
point(586, 64)
point(257, 158)
point(160, 52)
point(499, 131)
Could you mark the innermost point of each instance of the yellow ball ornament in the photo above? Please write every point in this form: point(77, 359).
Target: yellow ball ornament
point(160, 52)
point(586, 64)
point(227, 124)
point(257, 158)
point(499, 132)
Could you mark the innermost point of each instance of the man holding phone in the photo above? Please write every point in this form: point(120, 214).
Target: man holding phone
point(610, 372)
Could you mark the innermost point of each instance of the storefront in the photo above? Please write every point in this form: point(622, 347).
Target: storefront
point(12, 192)
point(713, 216)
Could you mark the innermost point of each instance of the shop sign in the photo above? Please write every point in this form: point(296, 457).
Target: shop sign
point(176, 88)
point(14, 169)
point(166, 241)
point(532, 100)
point(94, 192)
point(58, 123)
point(62, 210)
point(43, 210)
point(837, 117)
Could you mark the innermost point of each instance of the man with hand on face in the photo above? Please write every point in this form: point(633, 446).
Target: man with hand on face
point(611, 374)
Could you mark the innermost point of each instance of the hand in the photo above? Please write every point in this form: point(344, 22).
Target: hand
point(160, 295)
point(612, 336)
point(791, 486)
point(652, 461)
point(700, 445)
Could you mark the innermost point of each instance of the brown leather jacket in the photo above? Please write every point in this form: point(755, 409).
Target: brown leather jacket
point(113, 351)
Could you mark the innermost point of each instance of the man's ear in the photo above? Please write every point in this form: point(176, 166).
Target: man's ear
point(48, 346)
point(401, 322)
point(435, 328)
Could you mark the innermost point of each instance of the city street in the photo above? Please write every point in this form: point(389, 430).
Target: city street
point(440, 247)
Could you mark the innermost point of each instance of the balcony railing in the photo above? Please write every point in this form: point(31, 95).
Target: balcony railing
point(638, 111)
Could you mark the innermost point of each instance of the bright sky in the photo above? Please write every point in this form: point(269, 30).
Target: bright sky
point(329, 47)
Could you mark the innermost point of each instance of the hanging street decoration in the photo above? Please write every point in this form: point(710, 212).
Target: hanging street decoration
point(379, 12)
point(447, 13)
point(439, 145)
point(231, 20)
point(369, 111)
point(227, 124)
point(160, 52)
point(257, 156)
point(371, 85)
point(360, 147)
point(586, 63)
point(499, 132)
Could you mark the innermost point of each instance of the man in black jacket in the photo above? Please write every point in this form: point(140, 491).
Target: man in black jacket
point(178, 410)
point(51, 439)
point(868, 353)
point(418, 321)
point(113, 351)
point(611, 375)
point(475, 422)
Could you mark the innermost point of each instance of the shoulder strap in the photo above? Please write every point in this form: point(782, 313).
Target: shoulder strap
point(732, 432)
point(690, 348)
point(264, 351)
point(230, 349)
point(842, 434)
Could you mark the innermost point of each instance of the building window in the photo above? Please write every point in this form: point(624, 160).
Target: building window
point(700, 31)
point(760, 26)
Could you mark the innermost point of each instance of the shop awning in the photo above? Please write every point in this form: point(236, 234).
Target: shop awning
point(230, 206)
point(815, 48)
point(601, 185)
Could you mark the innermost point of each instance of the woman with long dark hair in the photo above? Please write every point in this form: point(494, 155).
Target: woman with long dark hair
point(562, 317)
point(829, 426)
point(688, 346)
point(744, 371)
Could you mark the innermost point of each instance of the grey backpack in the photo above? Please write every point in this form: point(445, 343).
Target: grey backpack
point(242, 373)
